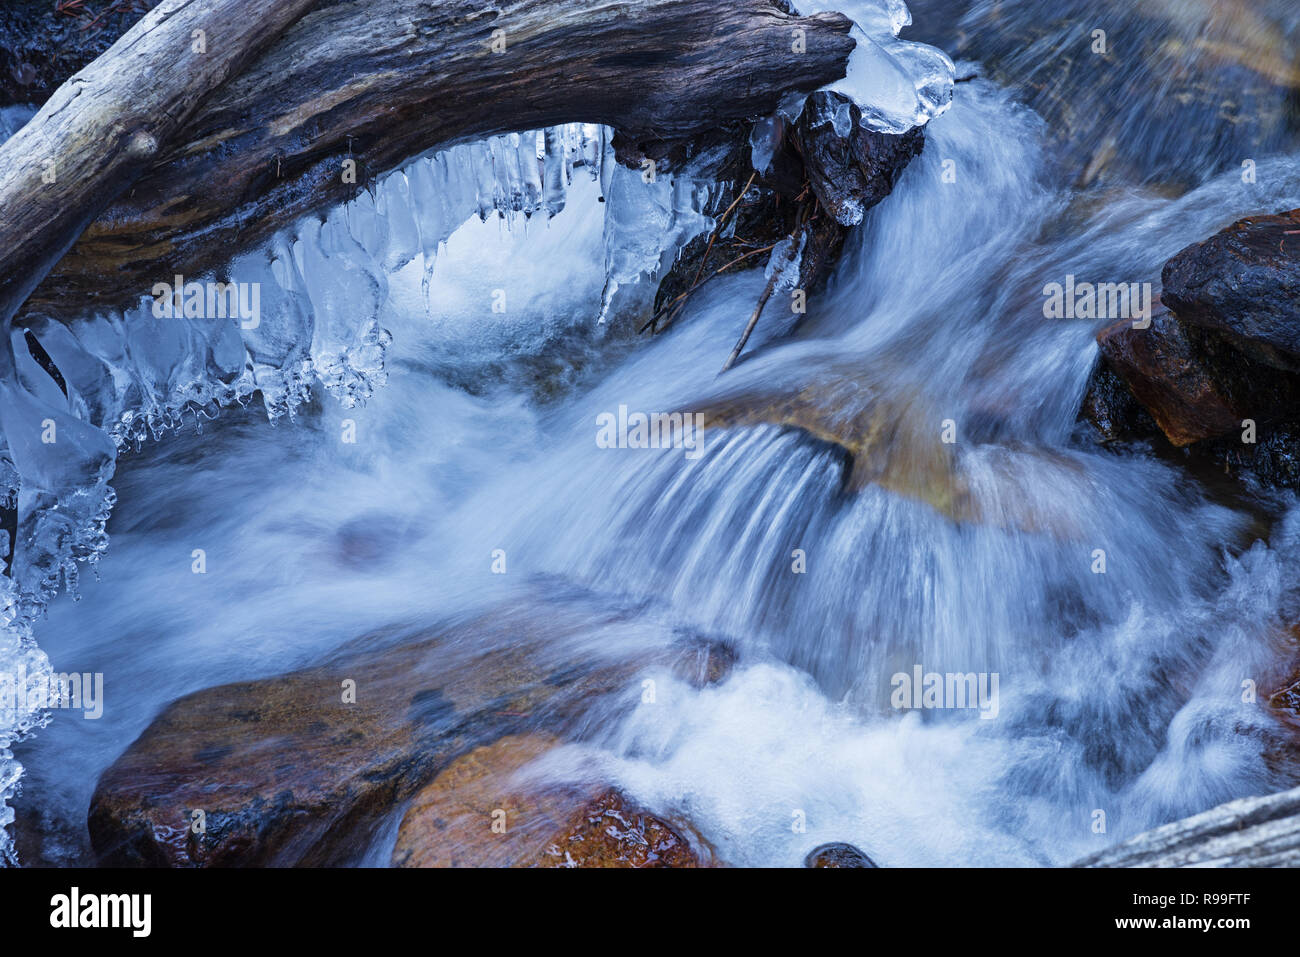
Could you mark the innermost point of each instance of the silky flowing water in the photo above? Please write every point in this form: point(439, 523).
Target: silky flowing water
point(1119, 692)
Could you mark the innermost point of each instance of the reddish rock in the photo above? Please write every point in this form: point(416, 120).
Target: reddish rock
point(1165, 372)
point(484, 810)
point(285, 772)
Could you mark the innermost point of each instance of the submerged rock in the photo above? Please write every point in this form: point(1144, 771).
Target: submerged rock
point(892, 439)
point(484, 810)
point(1222, 74)
point(837, 855)
point(303, 768)
point(879, 433)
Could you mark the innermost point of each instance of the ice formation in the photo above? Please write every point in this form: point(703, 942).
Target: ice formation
point(897, 84)
point(72, 395)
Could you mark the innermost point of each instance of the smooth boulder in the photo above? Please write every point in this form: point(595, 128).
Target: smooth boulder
point(487, 810)
point(294, 770)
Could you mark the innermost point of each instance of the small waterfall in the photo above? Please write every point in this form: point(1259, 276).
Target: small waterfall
point(895, 483)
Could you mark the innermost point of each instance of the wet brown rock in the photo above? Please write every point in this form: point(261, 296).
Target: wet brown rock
point(286, 773)
point(880, 433)
point(892, 439)
point(484, 810)
point(1221, 353)
point(1166, 373)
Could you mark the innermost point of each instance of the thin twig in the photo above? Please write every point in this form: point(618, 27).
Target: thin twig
point(767, 293)
point(713, 275)
point(752, 252)
point(753, 321)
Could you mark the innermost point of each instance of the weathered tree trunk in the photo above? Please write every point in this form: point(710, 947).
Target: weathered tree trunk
point(1251, 832)
point(108, 125)
point(173, 173)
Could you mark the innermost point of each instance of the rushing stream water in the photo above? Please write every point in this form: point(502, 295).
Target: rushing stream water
point(1118, 691)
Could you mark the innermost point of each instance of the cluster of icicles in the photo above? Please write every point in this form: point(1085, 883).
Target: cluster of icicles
point(73, 395)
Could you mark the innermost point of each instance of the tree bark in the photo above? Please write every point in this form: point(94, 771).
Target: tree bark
point(108, 125)
point(222, 166)
point(1250, 832)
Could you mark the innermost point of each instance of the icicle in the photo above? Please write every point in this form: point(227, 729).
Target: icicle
point(397, 207)
point(530, 173)
point(556, 172)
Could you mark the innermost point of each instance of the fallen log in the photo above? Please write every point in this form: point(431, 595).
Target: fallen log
point(1250, 832)
point(108, 125)
point(379, 83)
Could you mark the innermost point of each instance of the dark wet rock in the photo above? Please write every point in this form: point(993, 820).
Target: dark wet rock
point(287, 773)
point(1113, 410)
point(40, 47)
point(1273, 460)
point(1215, 370)
point(1244, 282)
point(486, 810)
point(1189, 387)
point(847, 175)
point(1251, 832)
point(704, 661)
point(44, 837)
point(837, 855)
point(852, 173)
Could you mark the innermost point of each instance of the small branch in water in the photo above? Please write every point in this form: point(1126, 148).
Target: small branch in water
point(753, 321)
point(777, 270)
point(713, 275)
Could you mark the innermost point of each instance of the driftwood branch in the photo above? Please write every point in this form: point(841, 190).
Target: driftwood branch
point(109, 125)
point(222, 165)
